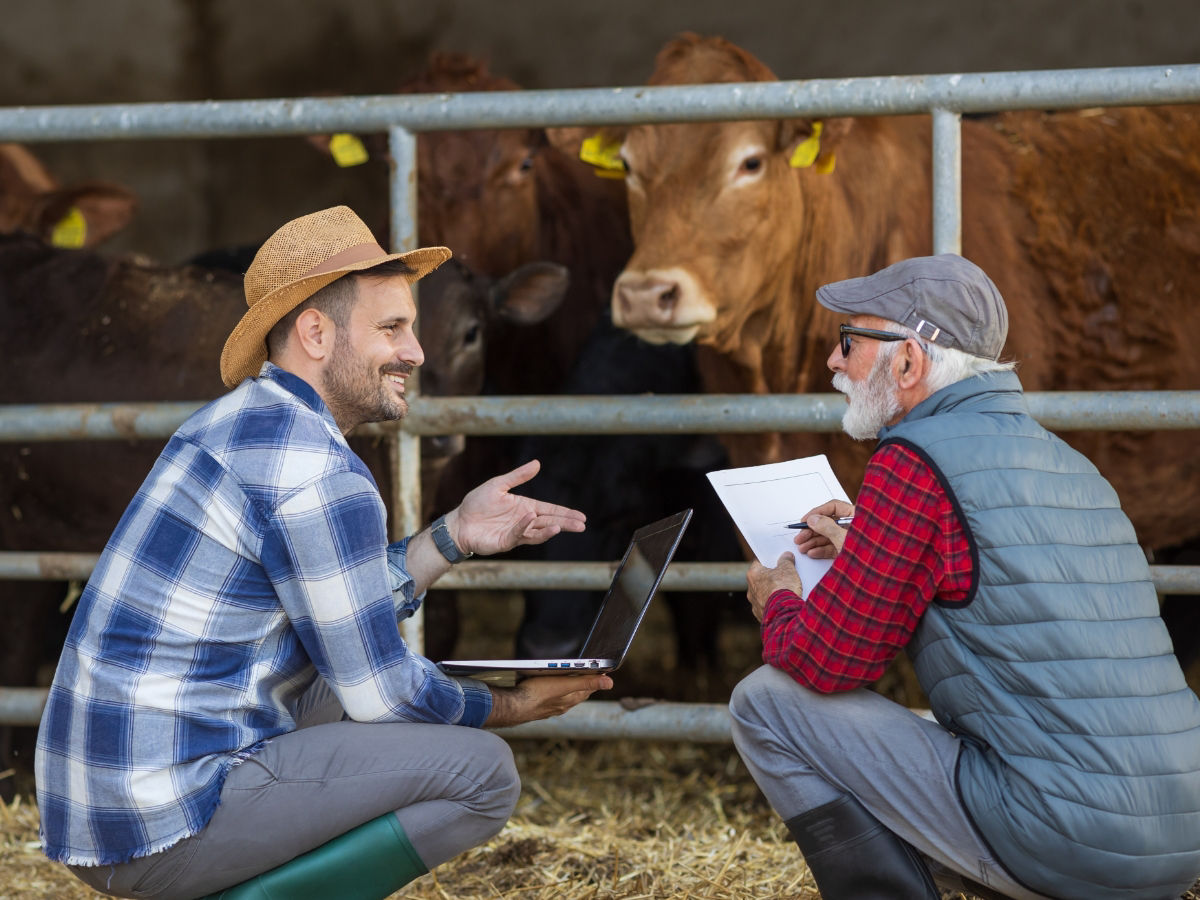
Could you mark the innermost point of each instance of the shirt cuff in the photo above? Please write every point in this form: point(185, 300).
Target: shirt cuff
point(403, 588)
point(784, 595)
point(477, 702)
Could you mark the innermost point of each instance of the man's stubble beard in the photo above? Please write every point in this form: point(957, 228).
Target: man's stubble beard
point(358, 393)
point(873, 402)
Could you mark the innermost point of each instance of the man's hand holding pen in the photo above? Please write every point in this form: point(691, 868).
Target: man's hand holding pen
point(825, 531)
point(820, 538)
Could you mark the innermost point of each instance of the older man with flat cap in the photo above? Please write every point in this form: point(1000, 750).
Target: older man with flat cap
point(1065, 756)
point(234, 709)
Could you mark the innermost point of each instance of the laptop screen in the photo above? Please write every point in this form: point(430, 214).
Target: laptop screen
point(634, 585)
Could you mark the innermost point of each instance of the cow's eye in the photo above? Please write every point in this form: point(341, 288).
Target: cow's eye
point(751, 164)
point(526, 164)
point(471, 336)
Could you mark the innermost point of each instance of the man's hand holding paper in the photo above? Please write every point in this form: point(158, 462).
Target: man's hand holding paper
point(763, 582)
point(764, 500)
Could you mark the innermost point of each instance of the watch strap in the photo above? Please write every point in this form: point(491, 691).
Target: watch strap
point(445, 543)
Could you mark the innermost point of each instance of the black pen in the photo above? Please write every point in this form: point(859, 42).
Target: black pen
point(841, 520)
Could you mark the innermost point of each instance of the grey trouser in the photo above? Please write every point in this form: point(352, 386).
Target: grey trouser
point(805, 749)
point(452, 788)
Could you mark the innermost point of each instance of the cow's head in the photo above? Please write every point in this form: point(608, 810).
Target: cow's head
point(32, 200)
point(477, 190)
point(458, 310)
point(715, 208)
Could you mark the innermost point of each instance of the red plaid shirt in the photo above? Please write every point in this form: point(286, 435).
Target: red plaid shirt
point(905, 548)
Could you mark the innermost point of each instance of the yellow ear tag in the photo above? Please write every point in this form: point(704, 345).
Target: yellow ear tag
point(347, 150)
point(605, 155)
point(807, 150)
point(826, 163)
point(71, 230)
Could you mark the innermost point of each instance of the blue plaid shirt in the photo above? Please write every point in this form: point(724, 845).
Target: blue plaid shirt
point(253, 558)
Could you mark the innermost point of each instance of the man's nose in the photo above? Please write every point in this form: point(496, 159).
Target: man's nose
point(413, 353)
point(836, 362)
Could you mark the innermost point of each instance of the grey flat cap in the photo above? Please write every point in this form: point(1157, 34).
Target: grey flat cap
point(946, 299)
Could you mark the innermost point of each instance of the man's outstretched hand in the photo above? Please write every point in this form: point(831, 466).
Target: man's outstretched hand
point(491, 519)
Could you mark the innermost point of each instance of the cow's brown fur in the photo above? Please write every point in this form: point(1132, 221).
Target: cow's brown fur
point(502, 198)
point(1086, 221)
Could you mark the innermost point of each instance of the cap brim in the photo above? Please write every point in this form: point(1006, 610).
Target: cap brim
point(246, 349)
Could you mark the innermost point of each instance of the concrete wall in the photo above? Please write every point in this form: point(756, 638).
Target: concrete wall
point(204, 194)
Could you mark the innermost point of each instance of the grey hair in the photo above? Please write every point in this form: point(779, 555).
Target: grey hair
point(946, 365)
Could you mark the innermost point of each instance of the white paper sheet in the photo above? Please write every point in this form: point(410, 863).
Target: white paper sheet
point(764, 500)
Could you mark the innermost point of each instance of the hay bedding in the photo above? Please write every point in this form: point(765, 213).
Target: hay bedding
point(628, 820)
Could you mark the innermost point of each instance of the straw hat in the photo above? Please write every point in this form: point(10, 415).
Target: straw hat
point(297, 261)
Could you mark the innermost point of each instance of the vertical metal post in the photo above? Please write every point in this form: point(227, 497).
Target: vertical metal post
point(947, 181)
point(404, 448)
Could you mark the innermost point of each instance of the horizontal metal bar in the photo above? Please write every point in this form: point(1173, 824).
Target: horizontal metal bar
point(663, 414)
point(22, 706)
point(481, 574)
point(704, 722)
point(970, 92)
point(92, 421)
point(737, 413)
point(606, 719)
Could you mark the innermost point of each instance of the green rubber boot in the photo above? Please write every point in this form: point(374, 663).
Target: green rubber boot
point(366, 863)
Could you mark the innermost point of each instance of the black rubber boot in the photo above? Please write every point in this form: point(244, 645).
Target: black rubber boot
point(853, 857)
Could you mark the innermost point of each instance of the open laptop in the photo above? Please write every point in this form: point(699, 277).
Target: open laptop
point(637, 578)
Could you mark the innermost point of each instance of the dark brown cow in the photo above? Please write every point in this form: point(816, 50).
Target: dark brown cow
point(500, 198)
point(1088, 222)
point(32, 200)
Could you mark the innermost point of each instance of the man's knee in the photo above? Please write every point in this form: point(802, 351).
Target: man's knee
point(759, 698)
point(501, 788)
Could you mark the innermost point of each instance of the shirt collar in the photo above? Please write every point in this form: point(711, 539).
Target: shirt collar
point(299, 388)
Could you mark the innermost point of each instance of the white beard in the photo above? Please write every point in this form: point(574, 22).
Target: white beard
point(873, 402)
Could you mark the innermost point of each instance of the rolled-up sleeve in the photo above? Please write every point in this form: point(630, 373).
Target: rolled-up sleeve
point(343, 588)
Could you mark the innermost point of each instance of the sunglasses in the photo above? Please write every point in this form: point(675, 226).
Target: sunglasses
point(845, 331)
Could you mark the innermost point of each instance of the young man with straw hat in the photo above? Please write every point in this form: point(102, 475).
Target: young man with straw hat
point(234, 709)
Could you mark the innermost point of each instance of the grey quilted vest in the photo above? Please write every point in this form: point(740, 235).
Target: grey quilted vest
point(1080, 764)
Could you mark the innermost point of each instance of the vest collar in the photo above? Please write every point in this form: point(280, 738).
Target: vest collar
point(995, 392)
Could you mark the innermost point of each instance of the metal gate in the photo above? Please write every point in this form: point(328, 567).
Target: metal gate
point(944, 97)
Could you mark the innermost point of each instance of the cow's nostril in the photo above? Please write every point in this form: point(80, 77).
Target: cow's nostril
point(668, 297)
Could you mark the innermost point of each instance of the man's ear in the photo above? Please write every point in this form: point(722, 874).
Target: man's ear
point(313, 334)
point(910, 365)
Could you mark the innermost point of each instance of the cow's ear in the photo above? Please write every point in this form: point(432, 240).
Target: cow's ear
point(598, 147)
point(530, 293)
point(813, 142)
point(347, 149)
point(86, 214)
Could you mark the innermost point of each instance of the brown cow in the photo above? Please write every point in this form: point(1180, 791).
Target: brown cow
point(32, 200)
point(1088, 222)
